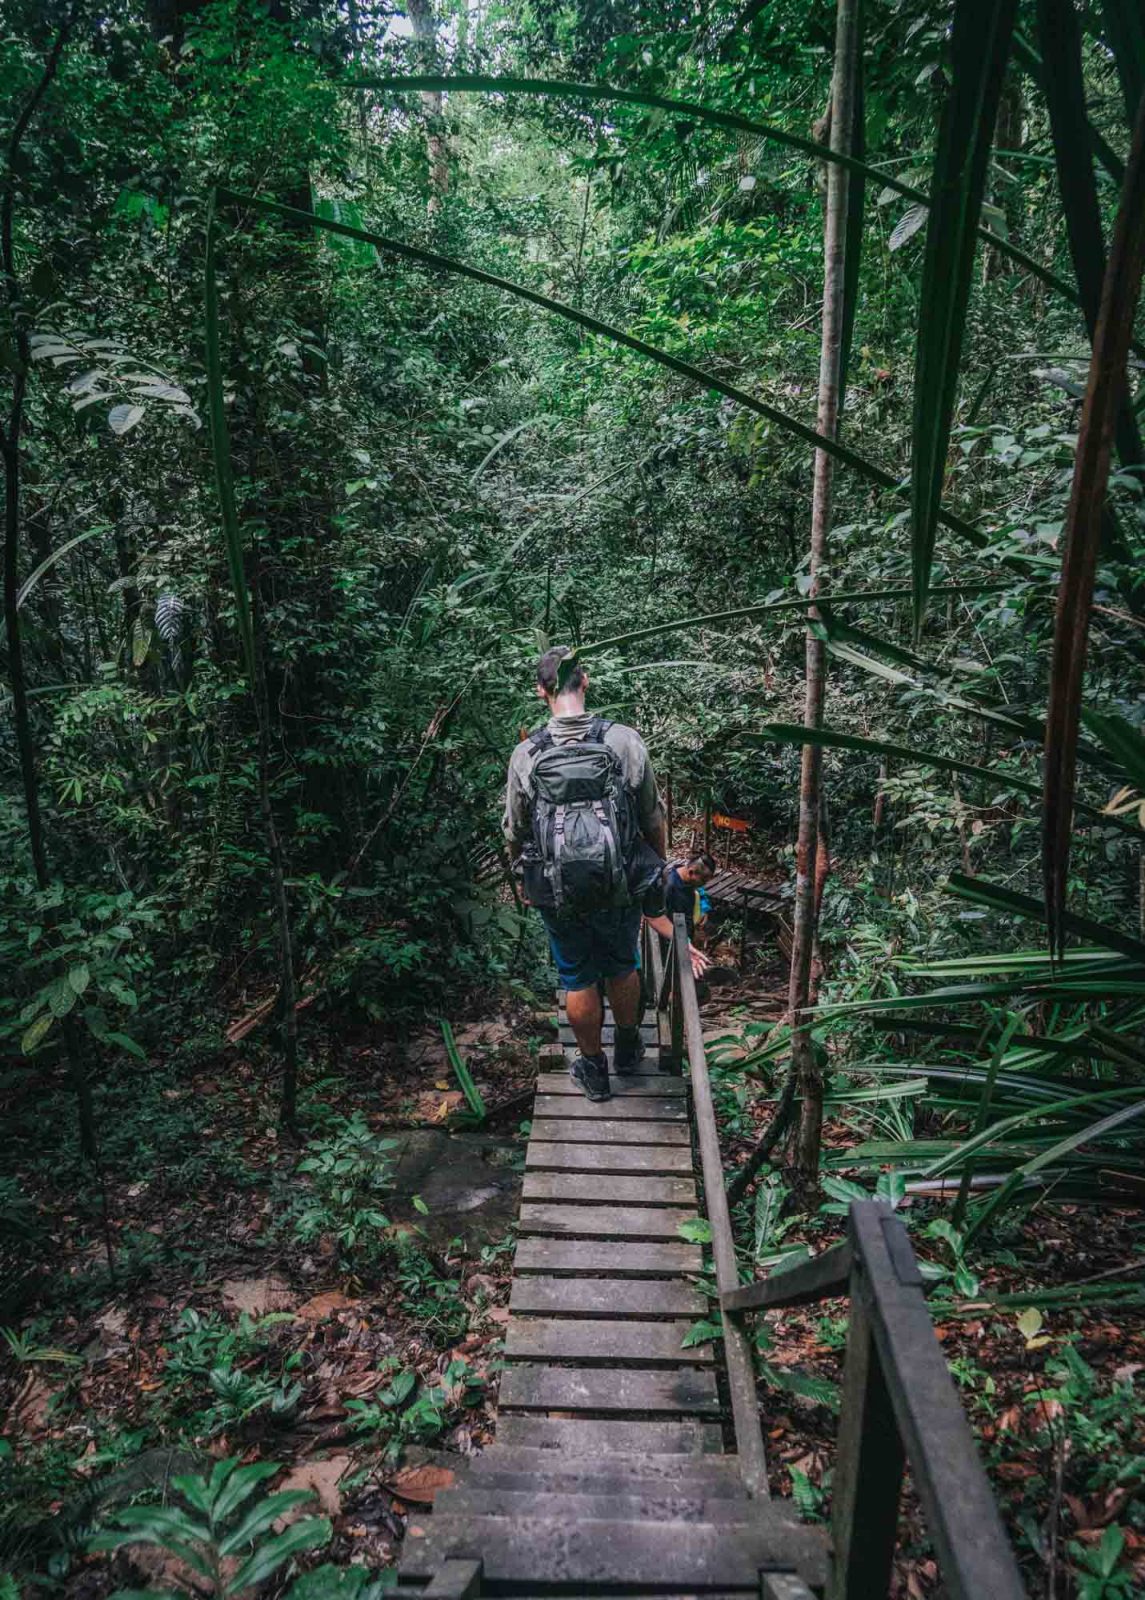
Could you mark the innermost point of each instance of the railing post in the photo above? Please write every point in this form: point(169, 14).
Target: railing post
point(868, 1464)
point(676, 1018)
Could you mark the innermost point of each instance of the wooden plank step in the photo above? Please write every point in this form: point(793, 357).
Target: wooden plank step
point(649, 1067)
point(640, 1189)
point(630, 1108)
point(642, 1259)
point(603, 1222)
point(650, 1083)
point(552, 1156)
point(607, 1033)
point(666, 1502)
point(557, 1550)
point(715, 1474)
point(602, 1340)
point(589, 1438)
point(606, 1297)
point(608, 1130)
point(683, 1392)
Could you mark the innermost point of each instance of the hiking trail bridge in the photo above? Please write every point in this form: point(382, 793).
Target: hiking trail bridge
point(628, 1460)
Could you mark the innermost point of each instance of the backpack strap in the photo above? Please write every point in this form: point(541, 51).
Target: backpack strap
point(597, 729)
point(540, 739)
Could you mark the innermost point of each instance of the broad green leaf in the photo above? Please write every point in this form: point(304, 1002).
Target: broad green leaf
point(38, 1030)
point(697, 1230)
point(267, 1559)
point(238, 1486)
point(121, 419)
point(260, 1518)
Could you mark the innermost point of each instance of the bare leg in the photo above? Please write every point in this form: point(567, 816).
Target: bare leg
point(625, 996)
point(586, 1013)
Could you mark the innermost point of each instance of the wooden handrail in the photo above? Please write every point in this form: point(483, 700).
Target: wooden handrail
point(737, 1347)
point(899, 1404)
point(827, 1274)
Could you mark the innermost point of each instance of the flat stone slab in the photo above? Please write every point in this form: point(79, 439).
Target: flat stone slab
point(607, 1389)
point(636, 1189)
point(607, 1297)
point(639, 1258)
point(602, 1339)
point(557, 1156)
point(604, 1222)
point(608, 1130)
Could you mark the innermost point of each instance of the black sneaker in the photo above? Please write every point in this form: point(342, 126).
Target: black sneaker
point(629, 1052)
point(591, 1072)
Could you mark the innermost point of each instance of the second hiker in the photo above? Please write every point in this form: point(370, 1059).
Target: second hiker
point(585, 826)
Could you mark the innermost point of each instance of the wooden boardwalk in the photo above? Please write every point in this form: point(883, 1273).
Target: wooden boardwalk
point(610, 1472)
point(629, 1461)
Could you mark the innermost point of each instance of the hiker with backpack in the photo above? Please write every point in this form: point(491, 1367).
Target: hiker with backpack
point(585, 829)
point(684, 892)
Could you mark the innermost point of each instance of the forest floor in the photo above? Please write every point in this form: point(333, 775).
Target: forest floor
point(258, 1308)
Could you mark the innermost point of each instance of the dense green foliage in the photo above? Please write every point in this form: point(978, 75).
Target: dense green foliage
point(269, 745)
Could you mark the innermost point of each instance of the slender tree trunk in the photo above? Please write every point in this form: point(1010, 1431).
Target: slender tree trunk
point(805, 1067)
point(10, 446)
point(287, 982)
point(424, 24)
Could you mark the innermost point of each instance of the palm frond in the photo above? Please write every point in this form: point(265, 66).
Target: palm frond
point(1083, 524)
point(980, 47)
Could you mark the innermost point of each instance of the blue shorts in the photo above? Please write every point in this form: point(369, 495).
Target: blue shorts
point(605, 944)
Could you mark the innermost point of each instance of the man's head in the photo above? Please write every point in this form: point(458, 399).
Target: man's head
point(549, 686)
point(698, 869)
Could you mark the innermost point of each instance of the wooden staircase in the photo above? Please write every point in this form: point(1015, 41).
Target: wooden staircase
point(609, 1474)
point(629, 1462)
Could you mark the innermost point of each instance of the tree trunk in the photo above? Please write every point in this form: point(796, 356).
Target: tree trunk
point(805, 1067)
point(424, 24)
point(10, 448)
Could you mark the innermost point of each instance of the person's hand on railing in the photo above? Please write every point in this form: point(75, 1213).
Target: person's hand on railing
point(700, 962)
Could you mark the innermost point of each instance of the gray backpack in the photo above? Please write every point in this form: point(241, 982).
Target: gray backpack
point(584, 825)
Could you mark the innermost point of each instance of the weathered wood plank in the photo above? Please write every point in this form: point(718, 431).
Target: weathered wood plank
point(683, 1391)
point(545, 1156)
point(651, 1083)
point(602, 1340)
point(575, 1555)
point(608, 1033)
point(640, 1258)
point(587, 1438)
point(637, 1189)
point(607, 1297)
point(603, 1222)
point(519, 1466)
point(666, 1502)
point(631, 1108)
point(608, 1130)
point(825, 1275)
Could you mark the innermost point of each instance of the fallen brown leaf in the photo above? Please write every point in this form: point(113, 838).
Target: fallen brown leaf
point(321, 1306)
point(257, 1296)
point(420, 1484)
point(322, 1478)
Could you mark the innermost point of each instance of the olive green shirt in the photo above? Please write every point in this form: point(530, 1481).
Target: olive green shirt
point(627, 744)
